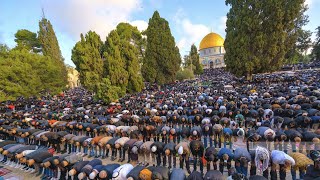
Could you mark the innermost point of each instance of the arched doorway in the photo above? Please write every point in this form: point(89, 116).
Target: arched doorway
point(211, 64)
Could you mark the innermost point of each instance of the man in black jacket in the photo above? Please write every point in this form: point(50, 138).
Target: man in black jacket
point(158, 149)
point(170, 152)
point(211, 156)
point(313, 171)
point(197, 150)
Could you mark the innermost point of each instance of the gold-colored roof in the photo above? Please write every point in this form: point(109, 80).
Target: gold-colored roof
point(211, 40)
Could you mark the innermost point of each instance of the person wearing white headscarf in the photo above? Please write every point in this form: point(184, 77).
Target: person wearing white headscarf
point(260, 162)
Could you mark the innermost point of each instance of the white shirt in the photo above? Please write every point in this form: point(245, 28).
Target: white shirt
point(279, 157)
point(26, 152)
point(121, 172)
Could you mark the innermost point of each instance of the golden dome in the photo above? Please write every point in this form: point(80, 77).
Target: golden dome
point(211, 40)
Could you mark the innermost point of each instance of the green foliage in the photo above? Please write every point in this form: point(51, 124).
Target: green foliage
point(194, 58)
point(316, 48)
point(260, 34)
point(131, 43)
point(162, 58)
point(303, 41)
point(50, 47)
point(26, 74)
point(184, 74)
point(28, 40)
point(87, 56)
point(4, 49)
point(115, 65)
point(107, 92)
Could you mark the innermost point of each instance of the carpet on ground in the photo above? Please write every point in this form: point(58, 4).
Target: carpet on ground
point(4, 171)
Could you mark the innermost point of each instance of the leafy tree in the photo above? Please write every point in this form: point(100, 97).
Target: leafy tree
point(107, 92)
point(162, 58)
point(27, 74)
point(87, 56)
point(50, 47)
point(183, 74)
point(115, 65)
point(260, 34)
point(4, 49)
point(316, 47)
point(304, 41)
point(130, 39)
point(194, 57)
point(28, 40)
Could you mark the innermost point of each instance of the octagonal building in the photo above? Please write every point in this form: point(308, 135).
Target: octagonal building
point(212, 51)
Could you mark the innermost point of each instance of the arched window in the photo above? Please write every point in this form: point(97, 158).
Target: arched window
point(218, 61)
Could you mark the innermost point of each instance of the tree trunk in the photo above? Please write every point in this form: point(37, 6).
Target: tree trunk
point(249, 76)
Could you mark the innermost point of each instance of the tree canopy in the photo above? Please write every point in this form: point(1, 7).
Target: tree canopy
point(316, 47)
point(162, 58)
point(87, 56)
point(194, 58)
point(50, 47)
point(260, 34)
point(28, 40)
point(26, 74)
point(111, 68)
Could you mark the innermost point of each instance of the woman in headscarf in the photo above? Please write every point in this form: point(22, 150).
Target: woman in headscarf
point(260, 161)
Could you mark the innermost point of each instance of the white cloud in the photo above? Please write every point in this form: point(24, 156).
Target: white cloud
point(223, 23)
point(311, 3)
point(192, 33)
point(140, 24)
point(308, 2)
point(79, 16)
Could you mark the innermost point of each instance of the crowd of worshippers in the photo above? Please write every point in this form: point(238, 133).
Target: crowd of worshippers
point(185, 130)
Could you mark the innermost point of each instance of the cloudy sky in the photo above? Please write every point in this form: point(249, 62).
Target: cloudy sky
point(189, 20)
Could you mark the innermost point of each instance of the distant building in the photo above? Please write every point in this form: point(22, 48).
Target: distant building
point(73, 77)
point(212, 51)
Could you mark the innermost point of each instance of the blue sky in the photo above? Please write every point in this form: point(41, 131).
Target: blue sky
point(189, 20)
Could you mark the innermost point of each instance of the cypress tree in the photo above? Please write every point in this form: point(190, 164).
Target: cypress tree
point(115, 65)
point(131, 42)
point(162, 58)
point(87, 56)
point(316, 48)
point(194, 57)
point(50, 47)
point(260, 34)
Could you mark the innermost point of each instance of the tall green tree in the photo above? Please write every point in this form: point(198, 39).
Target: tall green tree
point(162, 58)
point(50, 47)
point(115, 65)
point(194, 58)
point(316, 46)
point(131, 42)
point(28, 40)
point(87, 56)
point(260, 34)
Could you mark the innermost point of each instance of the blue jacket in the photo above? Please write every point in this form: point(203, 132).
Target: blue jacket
point(225, 151)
